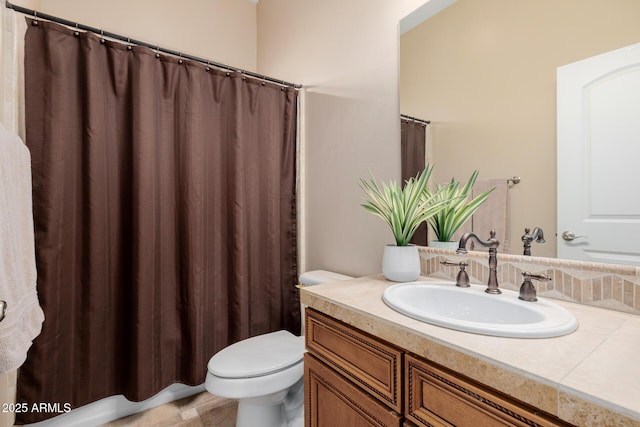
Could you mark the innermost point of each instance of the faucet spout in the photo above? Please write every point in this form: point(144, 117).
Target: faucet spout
point(528, 237)
point(492, 243)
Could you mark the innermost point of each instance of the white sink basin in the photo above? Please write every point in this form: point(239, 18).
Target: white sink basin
point(473, 310)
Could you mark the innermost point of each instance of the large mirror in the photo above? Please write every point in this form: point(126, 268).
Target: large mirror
point(484, 73)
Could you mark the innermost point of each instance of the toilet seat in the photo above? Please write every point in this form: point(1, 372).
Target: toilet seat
point(257, 367)
point(258, 356)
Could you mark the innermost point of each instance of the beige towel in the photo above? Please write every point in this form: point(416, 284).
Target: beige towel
point(494, 214)
point(24, 317)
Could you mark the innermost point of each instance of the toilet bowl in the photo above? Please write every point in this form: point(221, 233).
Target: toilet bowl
point(264, 373)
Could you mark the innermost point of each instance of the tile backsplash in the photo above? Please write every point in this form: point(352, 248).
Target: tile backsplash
point(615, 287)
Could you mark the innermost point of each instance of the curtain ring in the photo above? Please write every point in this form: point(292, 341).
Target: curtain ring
point(129, 47)
point(180, 61)
point(102, 40)
point(76, 33)
point(35, 21)
point(207, 68)
point(157, 51)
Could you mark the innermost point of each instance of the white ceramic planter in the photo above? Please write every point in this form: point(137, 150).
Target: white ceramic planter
point(401, 263)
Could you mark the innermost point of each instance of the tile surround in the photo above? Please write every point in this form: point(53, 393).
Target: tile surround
point(615, 287)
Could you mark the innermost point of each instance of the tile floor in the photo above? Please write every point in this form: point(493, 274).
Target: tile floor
point(200, 410)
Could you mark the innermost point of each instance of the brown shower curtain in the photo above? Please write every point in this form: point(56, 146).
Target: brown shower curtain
point(164, 205)
point(412, 144)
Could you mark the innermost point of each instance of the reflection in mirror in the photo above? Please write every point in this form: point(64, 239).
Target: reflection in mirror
point(484, 73)
point(413, 133)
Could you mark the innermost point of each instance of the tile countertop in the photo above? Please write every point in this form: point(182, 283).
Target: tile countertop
point(589, 378)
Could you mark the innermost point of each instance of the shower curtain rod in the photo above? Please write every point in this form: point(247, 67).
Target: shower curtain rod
point(102, 33)
point(415, 119)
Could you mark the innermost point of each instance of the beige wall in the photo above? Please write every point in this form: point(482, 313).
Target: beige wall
point(221, 30)
point(345, 53)
point(484, 72)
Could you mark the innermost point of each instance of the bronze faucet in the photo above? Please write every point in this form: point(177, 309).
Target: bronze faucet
point(462, 279)
point(527, 290)
point(537, 235)
point(492, 244)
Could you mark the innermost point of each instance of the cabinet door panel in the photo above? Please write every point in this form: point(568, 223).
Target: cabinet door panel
point(374, 366)
point(438, 397)
point(332, 401)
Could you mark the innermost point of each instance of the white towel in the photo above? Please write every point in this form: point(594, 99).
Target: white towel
point(494, 214)
point(24, 317)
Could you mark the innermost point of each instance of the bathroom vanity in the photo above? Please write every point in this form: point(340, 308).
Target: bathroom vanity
point(369, 365)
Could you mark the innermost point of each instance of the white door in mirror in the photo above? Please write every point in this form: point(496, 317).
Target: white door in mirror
point(598, 155)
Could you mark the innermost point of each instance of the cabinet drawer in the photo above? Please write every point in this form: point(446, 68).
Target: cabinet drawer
point(331, 400)
point(371, 364)
point(437, 397)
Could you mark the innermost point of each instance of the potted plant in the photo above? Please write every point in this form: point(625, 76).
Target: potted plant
point(403, 209)
point(457, 210)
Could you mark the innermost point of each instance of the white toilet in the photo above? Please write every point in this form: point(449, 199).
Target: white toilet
point(264, 373)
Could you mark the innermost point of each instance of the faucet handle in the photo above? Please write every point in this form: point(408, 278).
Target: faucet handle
point(451, 263)
point(527, 290)
point(462, 279)
point(539, 277)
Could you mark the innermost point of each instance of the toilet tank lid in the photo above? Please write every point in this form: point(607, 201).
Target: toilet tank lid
point(316, 277)
point(258, 356)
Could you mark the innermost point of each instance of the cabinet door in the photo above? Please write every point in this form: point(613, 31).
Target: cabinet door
point(437, 397)
point(332, 401)
point(371, 364)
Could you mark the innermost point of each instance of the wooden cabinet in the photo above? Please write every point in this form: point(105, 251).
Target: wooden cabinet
point(354, 379)
point(439, 397)
point(333, 401)
point(351, 378)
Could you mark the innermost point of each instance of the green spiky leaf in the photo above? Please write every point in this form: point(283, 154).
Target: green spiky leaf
point(402, 208)
point(457, 210)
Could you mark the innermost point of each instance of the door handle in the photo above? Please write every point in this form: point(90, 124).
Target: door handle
point(570, 235)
